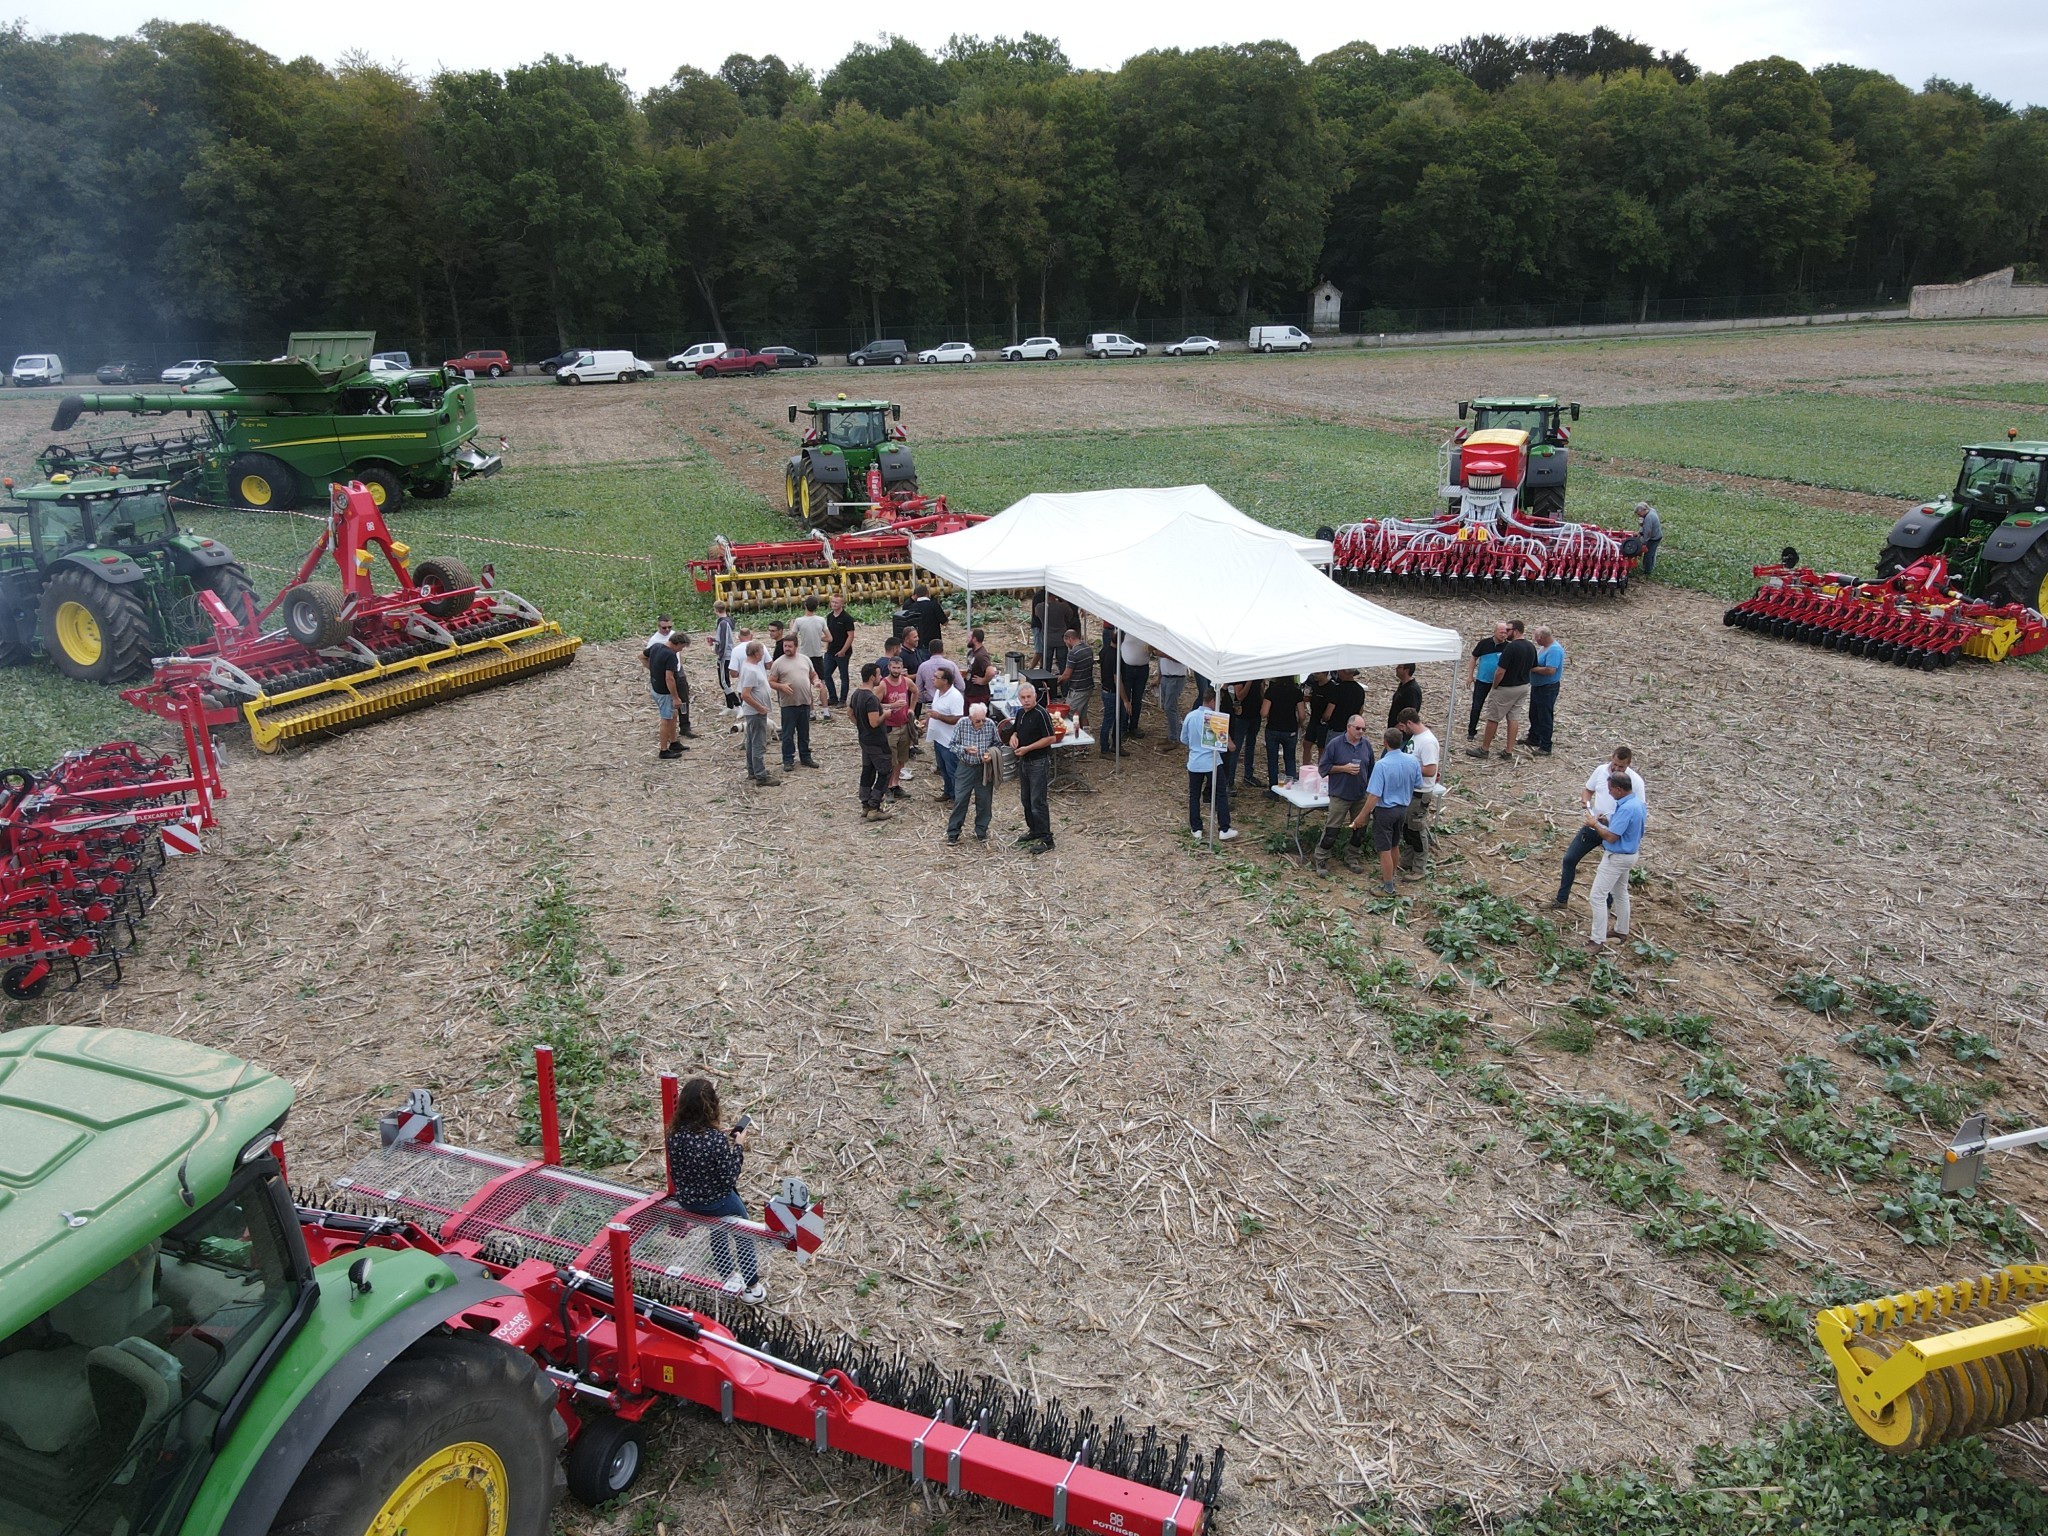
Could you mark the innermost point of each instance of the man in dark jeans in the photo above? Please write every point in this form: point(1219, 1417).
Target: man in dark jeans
point(1282, 711)
point(1598, 798)
point(875, 765)
point(1134, 671)
point(1248, 704)
point(838, 650)
point(1407, 694)
point(1031, 739)
point(1479, 673)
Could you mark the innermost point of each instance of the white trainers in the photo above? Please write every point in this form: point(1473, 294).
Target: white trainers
point(1226, 834)
point(1196, 833)
point(905, 776)
point(754, 1294)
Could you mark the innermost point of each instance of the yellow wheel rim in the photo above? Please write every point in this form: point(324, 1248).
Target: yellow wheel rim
point(255, 491)
point(376, 490)
point(789, 492)
point(807, 500)
point(79, 633)
point(459, 1490)
point(2041, 597)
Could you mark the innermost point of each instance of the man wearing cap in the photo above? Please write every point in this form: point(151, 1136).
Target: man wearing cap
point(1653, 534)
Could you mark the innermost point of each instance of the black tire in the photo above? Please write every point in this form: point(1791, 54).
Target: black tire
point(15, 983)
point(444, 1392)
point(896, 361)
point(1267, 347)
point(1894, 558)
point(1547, 501)
point(606, 1460)
point(2023, 581)
point(707, 373)
point(444, 573)
point(495, 371)
point(860, 362)
point(260, 482)
point(383, 486)
point(231, 584)
point(818, 504)
point(434, 490)
point(94, 631)
point(759, 370)
point(789, 490)
point(311, 612)
point(15, 646)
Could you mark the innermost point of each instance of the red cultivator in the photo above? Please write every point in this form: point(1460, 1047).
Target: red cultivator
point(604, 1285)
point(1912, 618)
point(872, 564)
point(1486, 538)
point(343, 652)
point(80, 846)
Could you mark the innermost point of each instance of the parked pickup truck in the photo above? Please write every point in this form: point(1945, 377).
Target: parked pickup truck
point(736, 360)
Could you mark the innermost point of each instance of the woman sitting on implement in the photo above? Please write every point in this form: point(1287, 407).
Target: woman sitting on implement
point(704, 1163)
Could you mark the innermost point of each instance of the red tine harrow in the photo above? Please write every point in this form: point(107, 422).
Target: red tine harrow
point(871, 564)
point(1914, 618)
point(80, 844)
point(622, 1298)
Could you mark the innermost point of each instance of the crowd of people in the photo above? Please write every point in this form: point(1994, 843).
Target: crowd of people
point(911, 698)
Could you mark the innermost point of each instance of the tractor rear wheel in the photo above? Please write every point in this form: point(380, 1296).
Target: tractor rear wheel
point(1547, 501)
point(1894, 558)
point(820, 508)
point(231, 584)
point(457, 1437)
point(261, 482)
point(443, 573)
point(2024, 581)
point(312, 614)
point(385, 491)
point(92, 630)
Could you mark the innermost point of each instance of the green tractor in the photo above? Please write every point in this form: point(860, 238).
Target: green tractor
point(1990, 528)
point(1549, 456)
point(96, 574)
point(278, 433)
point(173, 1360)
point(853, 456)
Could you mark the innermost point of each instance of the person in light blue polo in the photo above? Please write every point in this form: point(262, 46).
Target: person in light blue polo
point(1546, 678)
point(1396, 779)
point(1622, 831)
point(1203, 760)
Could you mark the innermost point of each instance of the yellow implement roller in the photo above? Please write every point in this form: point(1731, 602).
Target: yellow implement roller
point(1934, 1365)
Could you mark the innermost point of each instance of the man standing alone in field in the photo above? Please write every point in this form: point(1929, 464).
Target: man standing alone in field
point(1653, 535)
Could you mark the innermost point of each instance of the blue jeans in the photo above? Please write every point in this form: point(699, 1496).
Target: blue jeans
point(1588, 841)
point(1650, 556)
point(948, 763)
point(1542, 715)
point(729, 1204)
point(1279, 744)
point(1244, 740)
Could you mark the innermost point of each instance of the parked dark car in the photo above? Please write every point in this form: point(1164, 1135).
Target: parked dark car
point(894, 353)
point(548, 365)
point(789, 357)
point(122, 373)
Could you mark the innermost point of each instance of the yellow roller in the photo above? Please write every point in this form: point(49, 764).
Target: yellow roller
point(1929, 1366)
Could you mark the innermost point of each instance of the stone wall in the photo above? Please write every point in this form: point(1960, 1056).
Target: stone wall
point(1993, 294)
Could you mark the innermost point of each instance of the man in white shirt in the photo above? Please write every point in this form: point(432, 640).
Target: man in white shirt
point(941, 722)
point(1428, 753)
point(811, 633)
point(1597, 798)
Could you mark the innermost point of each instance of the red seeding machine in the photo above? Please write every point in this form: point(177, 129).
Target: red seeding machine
point(627, 1303)
point(1486, 537)
point(872, 564)
point(1912, 618)
point(80, 845)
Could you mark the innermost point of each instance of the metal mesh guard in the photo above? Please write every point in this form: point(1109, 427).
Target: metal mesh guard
point(546, 1214)
point(427, 1182)
point(671, 1244)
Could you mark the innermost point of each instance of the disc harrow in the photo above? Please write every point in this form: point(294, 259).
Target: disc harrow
point(621, 1297)
point(870, 565)
point(346, 654)
point(1913, 618)
point(80, 847)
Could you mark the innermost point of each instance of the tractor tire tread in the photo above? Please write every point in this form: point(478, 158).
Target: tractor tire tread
point(2020, 581)
point(231, 584)
point(123, 619)
point(330, 599)
point(270, 468)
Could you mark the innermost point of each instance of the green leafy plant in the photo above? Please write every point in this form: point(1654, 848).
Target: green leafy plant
point(1809, 1080)
point(1896, 1005)
point(1879, 1045)
point(1817, 992)
point(1969, 1047)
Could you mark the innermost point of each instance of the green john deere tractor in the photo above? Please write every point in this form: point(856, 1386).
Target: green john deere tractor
point(826, 482)
point(173, 1362)
point(1549, 456)
point(1992, 528)
point(277, 433)
point(96, 574)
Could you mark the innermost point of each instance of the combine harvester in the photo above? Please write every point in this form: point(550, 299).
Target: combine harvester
point(345, 653)
point(204, 1356)
point(1966, 575)
point(1932, 1366)
point(80, 845)
point(1487, 538)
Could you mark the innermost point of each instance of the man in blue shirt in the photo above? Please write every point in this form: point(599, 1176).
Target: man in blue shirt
point(1396, 780)
point(1345, 763)
point(1622, 831)
point(1545, 680)
point(1202, 762)
point(1484, 661)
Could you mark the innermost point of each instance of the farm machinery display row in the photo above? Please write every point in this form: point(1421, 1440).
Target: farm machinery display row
point(186, 1350)
point(80, 844)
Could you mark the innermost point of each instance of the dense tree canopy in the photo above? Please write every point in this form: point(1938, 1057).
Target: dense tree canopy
point(180, 185)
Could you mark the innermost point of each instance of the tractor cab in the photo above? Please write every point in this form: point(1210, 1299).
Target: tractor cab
point(65, 514)
point(1996, 481)
point(1541, 416)
point(851, 424)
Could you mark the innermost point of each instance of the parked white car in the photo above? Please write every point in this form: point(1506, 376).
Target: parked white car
point(1114, 344)
point(37, 368)
point(947, 352)
point(1195, 346)
point(1280, 338)
point(610, 367)
point(1032, 349)
point(190, 369)
point(385, 371)
point(686, 361)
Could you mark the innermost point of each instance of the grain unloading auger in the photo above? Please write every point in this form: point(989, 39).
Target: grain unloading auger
point(625, 1301)
point(1933, 1365)
point(343, 653)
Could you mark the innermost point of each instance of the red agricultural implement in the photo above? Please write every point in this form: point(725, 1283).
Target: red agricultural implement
point(341, 653)
point(870, 565)
point(1913, 618)
point(80, 845)
point(1485, 538)
point(623, 1300)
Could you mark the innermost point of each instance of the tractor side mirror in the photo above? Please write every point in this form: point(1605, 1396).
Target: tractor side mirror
point(792, 415)
point(896, 411)
point(1575, 410)
point(1462, 406)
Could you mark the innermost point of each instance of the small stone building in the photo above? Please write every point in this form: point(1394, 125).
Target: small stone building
point(1325, 305)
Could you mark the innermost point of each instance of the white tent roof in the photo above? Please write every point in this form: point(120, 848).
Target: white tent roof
point(1235, 606)
point(1013, 548)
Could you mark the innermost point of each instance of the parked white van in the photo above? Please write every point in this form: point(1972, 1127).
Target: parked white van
point(38, 368)
point(1113, 344)
point(603, 368)
point(686, 361)
point(1282, 338)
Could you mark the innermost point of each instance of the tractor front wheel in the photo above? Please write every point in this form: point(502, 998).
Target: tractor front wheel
point(440, 574)
point(94, 631)
point(385, 491)
point(262, 483)
point(312, 614)
point(457, 1437)
point(789, 490)
point(2024, 581)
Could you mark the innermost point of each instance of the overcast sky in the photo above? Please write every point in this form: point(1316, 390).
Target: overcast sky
point(2001, 47)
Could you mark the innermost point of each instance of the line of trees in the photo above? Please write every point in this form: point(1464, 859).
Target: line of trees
point(181, 182)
